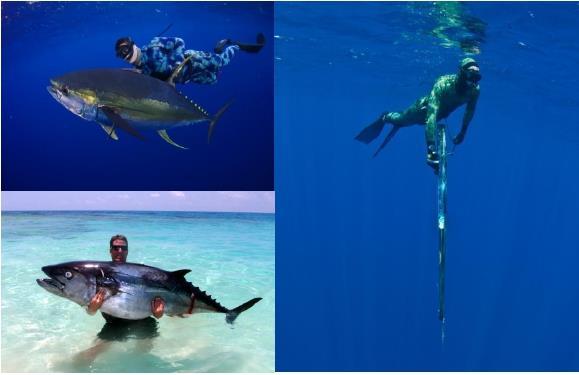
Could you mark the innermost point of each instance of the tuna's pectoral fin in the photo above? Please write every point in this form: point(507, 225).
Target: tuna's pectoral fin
point(165, 136)
point(110, 130)
point(231, 315)
point(216, 118)
point(119, 122)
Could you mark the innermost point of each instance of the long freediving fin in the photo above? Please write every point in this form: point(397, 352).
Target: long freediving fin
point(118, 121)
point(246, 47)
point(165, 136)
point(390, 135)
point(178, 70)
point(253, 48)
point(371, 132)
point(110, 130)
point(216, 118)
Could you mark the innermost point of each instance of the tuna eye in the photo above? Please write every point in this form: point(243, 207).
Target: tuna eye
point(64, 90)
point(68, 275)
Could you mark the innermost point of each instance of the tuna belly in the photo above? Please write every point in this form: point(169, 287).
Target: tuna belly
point(149, 124)
point(127, 307)
point(138, 306)
point(158, 125)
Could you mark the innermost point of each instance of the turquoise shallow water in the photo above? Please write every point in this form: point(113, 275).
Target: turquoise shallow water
point(231, 257)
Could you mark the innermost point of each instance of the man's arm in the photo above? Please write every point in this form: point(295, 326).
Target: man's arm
point(432, 113)
point(97, 301)
point(468, 115)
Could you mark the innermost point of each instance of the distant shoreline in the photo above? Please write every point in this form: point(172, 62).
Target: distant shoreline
point(139, 211)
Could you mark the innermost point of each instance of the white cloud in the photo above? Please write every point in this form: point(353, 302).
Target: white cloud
point(123, 196)
point(235, 194)
point(154, 195)
point(177, 194)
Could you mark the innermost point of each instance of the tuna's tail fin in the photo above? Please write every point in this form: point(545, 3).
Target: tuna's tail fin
point(231, 315)
point(216, 118)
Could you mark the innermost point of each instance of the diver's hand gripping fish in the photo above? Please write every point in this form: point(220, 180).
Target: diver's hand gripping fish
point(131, 287)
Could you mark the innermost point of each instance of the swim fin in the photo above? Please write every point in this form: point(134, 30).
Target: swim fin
point(251, 48)
point(371, 132)
point(390, 135)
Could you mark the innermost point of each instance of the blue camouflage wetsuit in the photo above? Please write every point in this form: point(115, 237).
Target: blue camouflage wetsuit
point(163, 55)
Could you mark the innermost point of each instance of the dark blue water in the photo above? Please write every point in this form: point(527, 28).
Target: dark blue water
point(45, 147)
point(356, 245)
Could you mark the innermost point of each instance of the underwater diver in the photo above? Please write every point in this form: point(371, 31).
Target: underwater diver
point(167, 59)
point(117, 329)
point(448, 93)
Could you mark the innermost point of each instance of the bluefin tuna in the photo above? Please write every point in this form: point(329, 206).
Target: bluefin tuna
point(125, 99)
point(131, 287)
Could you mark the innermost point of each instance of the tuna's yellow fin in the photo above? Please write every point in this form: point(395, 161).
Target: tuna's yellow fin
point(165, 136)
point(110, 131)
point(177, 71)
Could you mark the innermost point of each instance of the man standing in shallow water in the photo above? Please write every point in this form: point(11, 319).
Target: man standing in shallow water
point(117, 329)
point(448, 93)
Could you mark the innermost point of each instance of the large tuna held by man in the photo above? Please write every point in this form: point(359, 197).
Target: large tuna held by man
point(131, 287)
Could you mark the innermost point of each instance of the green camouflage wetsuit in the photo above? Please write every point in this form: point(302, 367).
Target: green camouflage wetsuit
point(163, 55)
point(445, 97)
point(448, 93)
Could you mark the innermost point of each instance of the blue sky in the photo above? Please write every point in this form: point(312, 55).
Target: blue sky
point(217, 201)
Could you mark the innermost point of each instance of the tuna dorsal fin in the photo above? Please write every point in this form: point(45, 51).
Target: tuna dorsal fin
point(165, 136)
point(180, 273)
point(178, 70)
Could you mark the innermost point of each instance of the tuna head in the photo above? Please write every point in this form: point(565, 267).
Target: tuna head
point(71, 281)
point(80, 101)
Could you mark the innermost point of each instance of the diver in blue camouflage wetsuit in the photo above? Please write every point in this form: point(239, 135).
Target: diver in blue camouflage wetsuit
point(163, 55)
point(448, 93)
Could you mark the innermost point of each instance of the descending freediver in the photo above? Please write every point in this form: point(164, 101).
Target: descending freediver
point(448, 93)
point(167, 59)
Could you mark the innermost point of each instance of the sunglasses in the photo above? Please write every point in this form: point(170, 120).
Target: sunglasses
point(123, 247)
